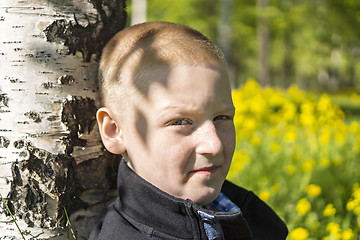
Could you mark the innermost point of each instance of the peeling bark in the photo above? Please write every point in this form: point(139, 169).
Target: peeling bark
point(90, 39)
point(46, 183)
point(51, 154)
point(78, 115)
point(40, 184)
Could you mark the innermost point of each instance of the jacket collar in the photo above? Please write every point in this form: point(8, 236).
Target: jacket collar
point(139, 201)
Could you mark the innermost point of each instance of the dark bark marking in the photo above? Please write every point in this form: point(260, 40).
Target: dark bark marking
point(52, 118)
point(24, 122)
point(33, 116)
point(11, 42)
point(90, 39)
point(47, 85)
point(79, 116)
point(66, 79)
point(19, 144)
point(4, 100)
point(5, 130)
point(4, 142)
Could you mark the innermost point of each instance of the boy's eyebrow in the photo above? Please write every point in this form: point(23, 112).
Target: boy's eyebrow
point(167, 110)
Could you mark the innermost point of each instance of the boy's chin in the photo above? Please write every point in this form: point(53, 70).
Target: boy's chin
point(205, 195)
point(206, 192)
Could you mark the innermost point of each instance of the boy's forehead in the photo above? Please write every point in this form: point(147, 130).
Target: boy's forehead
point(160, 75)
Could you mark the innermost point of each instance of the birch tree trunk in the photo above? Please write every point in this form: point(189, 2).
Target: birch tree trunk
point(51, 155)
point(138, 12)
point(224, 34)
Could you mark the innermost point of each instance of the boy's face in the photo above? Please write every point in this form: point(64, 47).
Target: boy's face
point(181, 135)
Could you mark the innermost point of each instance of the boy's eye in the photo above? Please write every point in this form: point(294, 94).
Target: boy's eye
point(222, 117)
point(181, 122)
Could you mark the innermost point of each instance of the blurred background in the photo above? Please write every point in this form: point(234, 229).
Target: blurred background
point(295, 71)
point(311, 43)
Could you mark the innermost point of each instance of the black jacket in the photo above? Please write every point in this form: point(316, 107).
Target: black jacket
point(143, 211)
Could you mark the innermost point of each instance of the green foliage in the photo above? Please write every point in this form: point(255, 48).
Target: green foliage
point(315, 44)
point(200, 14)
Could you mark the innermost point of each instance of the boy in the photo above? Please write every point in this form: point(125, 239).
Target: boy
point(168, 111)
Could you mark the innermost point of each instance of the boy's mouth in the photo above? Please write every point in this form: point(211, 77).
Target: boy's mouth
point(205, 170)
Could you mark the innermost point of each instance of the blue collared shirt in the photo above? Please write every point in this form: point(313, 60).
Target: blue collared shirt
point(212, 226)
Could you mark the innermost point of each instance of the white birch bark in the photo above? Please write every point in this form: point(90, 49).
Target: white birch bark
point(39, 84)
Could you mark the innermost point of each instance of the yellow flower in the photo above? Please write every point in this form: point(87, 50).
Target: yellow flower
point(357, 210)
point(329, 210)
point(354, 127)
point(333, 228)
point(259, 106)
point(308, 165)
point(303, 206)
point(347, 234)
point(240, 160)
point(313, 190)
point(290, 169)
point(265, 195)
point(274, 132)
point(307, 117)
point(299, 234)
point(289, 112)
point(275, 147)
point(325, 136)
point(351, 205)
point(249, 124)
point(252, 85)
point(290, 134)
point(255, 141)
point(296, 94)
point(340, 136)
point(356, 193)
point(324, 162)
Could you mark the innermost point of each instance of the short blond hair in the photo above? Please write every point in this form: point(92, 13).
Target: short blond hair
point(132, 59)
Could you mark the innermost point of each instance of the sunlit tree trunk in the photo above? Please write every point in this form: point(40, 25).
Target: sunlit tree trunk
point(51, 155)
point(225, 31)
point(354, 54)
point(138, 13)
point(288, 63)
point(263, 43)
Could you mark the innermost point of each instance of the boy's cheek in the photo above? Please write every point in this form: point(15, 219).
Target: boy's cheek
point(229, 138)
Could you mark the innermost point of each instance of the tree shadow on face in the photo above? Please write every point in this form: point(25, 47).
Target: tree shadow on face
point(153, 56)
point(150, 68)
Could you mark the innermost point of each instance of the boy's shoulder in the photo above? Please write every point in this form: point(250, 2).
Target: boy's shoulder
point(114, 226)
point(263, 221)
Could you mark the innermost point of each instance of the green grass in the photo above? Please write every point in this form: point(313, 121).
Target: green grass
point(12, 216)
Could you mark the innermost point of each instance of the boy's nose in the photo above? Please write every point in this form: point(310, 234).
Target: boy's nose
point(209, 141)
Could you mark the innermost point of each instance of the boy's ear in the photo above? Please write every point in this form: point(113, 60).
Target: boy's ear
point(110, 131)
